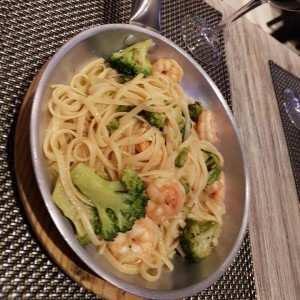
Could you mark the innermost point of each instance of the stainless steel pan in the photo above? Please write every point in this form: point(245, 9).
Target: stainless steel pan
point(187, 278)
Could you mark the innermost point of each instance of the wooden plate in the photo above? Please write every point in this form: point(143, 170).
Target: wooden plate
point(40, 219)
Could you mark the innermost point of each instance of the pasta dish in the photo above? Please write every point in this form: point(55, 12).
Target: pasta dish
point(106, 121)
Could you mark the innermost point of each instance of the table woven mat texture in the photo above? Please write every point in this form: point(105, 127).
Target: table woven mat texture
point(283, 79)
point(30, 33)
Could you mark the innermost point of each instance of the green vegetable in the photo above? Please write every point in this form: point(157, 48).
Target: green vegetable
point(194, 110)
point(124, 108)
point(180, 119)
point(155, 119)
point(133, 182)
point(122, 78)
point(113, 124)
point(185, 184)
point(132, 60)
point(181, 157)
point(118, 203)
point(213, 166)
point(196, 238)
point(213, 174)
point(65, 205)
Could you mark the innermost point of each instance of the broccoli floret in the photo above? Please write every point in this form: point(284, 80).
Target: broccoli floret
point(156, 119)
point(181, 157)
point(113, 125)
point(194, 110)
point(213, 167)
point(118, 203)
point(122, 79)
point(132, 60)
point(132, 182)
point(65, 205)
point(196, 238)
point(83, 240)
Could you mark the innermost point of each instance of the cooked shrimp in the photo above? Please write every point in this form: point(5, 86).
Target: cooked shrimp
point(167, 198)
point(156, 159)
point(140, 241)
point(169, 67)
point(140, 147)
point(206, 126)
point(216, 190)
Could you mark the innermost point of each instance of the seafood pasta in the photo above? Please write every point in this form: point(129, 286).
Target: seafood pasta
point(99, 120)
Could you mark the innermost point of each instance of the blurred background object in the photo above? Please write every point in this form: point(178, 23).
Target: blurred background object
point(282, 25)
point(289, 30)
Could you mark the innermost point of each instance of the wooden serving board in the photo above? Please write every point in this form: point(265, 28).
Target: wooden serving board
point(40, 219)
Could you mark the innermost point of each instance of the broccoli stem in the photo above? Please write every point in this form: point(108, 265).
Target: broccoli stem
point(213, 174)
point(213, 167)
point(185, 184)
point(62, 201)
point(194, 110)
point(118, 203)
point(181, 157)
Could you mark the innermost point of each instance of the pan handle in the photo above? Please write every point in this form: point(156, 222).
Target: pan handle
point(146, 13)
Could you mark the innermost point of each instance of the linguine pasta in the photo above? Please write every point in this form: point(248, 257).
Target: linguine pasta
point(79, 131)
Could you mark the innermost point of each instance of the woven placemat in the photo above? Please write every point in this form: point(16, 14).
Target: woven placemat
point(30, 33)
point(283, 79)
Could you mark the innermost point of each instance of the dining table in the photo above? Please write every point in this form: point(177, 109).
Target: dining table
point(274, 221)
point(252, 76)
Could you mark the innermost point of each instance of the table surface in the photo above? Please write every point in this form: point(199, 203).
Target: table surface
point(274, 220)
